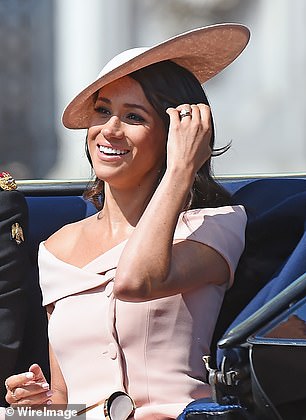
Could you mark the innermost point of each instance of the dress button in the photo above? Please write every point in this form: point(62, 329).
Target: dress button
point(109, 288)
point(112, 351)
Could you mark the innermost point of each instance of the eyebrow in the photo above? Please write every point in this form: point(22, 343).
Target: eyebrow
point(126, 105)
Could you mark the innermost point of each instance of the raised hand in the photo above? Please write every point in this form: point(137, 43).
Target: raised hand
point(189, 136)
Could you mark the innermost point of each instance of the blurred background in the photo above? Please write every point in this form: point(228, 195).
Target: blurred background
point(51, 49)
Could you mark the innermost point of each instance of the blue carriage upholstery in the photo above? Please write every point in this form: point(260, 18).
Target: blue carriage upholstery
point(50, 213)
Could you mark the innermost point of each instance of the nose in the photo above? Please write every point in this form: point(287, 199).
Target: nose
point(112, 129)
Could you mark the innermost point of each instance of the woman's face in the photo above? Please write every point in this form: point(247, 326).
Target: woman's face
point(127, 139)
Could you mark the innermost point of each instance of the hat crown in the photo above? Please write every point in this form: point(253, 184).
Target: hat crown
point(121, 59)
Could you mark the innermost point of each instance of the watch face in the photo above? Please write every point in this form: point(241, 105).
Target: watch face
point(119, 406)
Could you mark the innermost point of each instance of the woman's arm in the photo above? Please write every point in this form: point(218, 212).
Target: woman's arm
point(58, 385)
point(151, 266)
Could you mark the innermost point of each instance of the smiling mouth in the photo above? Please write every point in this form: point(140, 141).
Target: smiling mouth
point(109, 151)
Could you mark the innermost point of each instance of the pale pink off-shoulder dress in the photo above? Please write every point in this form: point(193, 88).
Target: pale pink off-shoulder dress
point(152, 350)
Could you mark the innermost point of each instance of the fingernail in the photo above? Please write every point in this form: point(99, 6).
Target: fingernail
point(49, 393)
point(29, 375)
point(45, 385)
point(49, 402)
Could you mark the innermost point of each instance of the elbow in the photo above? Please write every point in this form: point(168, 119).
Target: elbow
point(137, 290)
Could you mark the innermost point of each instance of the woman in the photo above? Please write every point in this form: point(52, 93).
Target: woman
point(133, 292)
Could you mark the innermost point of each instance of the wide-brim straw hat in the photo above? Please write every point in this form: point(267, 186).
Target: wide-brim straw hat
point(203, 51)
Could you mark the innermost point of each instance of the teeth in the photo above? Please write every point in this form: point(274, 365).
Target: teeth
point(111, 151)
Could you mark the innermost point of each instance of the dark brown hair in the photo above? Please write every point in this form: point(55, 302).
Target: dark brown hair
point(166, 84)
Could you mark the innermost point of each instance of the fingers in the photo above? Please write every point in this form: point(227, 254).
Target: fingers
point(29, 395)
point(34, 375)
point(38, 373)
point(205, 115)
point(198, 115)
point(179, 113)
point(187, 113)
point(18, 380)
point(28, 388)
point(189, 136)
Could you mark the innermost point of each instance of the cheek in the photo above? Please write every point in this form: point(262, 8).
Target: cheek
point(92, 132)
point(161, 144)
point(156, 151)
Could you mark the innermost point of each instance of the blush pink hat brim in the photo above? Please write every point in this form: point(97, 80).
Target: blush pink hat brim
point(203, 51)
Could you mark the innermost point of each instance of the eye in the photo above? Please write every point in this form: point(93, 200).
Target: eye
point(102, 110)
point(135, 117)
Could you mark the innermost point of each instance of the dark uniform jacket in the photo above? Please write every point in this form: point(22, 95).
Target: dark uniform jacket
point(14, 265)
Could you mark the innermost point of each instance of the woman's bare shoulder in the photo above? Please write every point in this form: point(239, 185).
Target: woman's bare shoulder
point(63, 241)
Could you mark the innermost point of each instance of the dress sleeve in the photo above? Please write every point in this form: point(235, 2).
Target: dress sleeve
point(221, 228)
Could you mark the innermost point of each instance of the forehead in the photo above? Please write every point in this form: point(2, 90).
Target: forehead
point(123, 87)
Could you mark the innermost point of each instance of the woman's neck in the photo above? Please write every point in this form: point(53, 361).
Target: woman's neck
point(124, 206)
